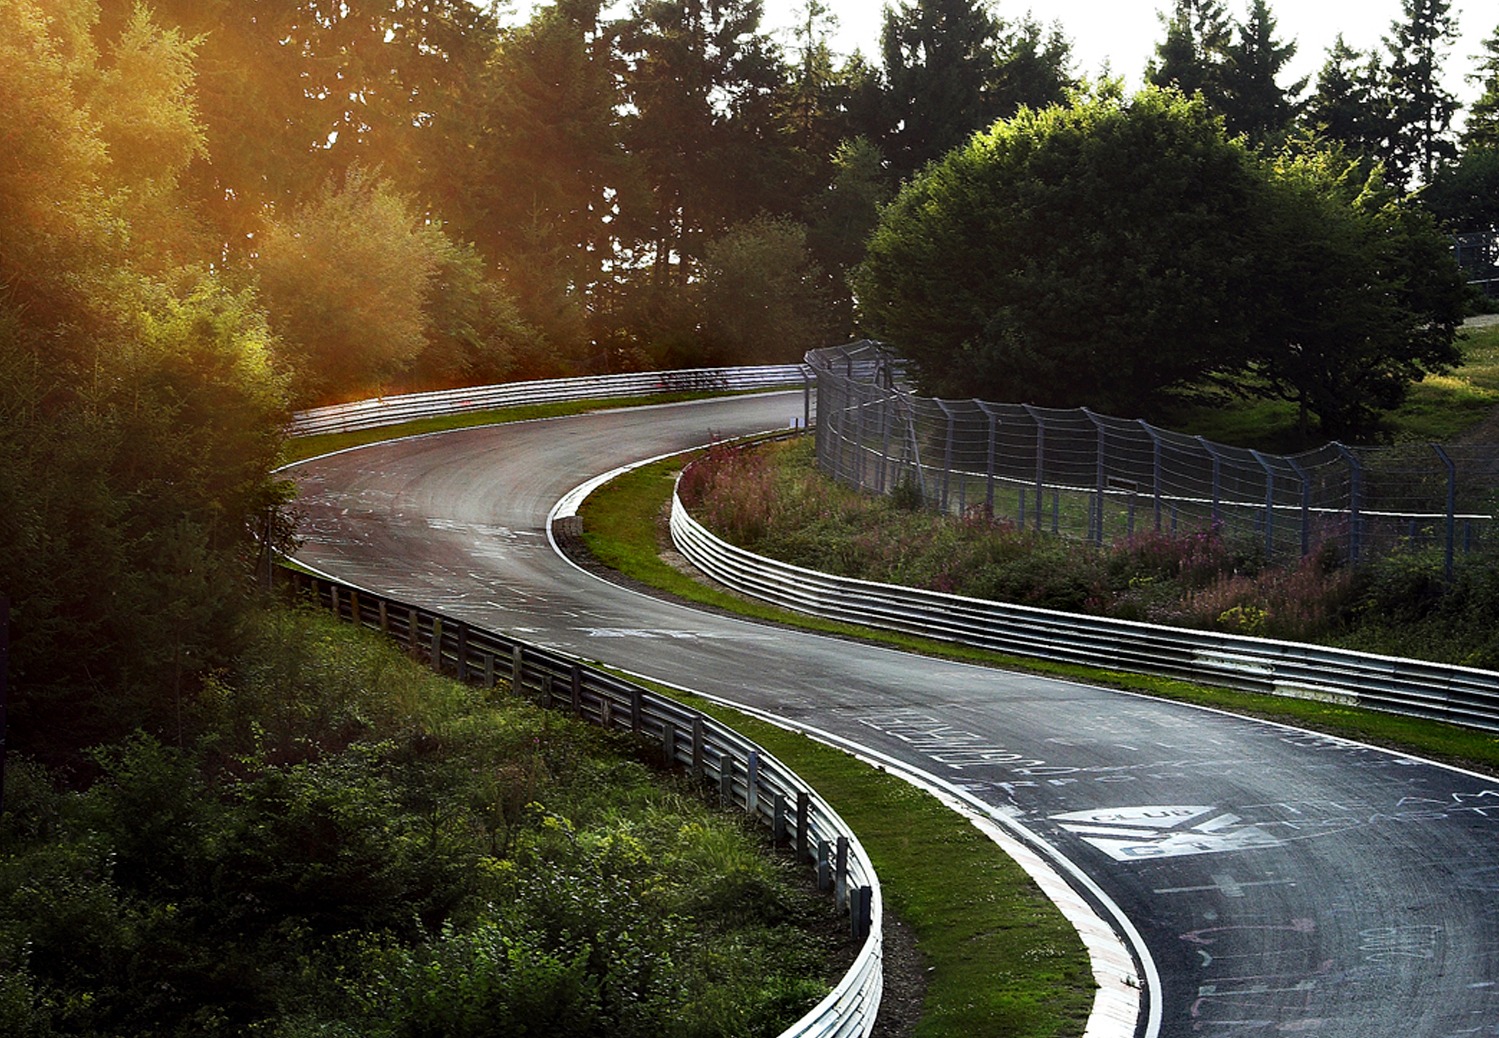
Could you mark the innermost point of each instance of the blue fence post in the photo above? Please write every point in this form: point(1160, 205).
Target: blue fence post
point(1101, 478)
point(1355, 501)
point(989, 464)
point(1155, 470)
point(1217, 477)
point(1269, 504)
point(1451, 506)
point(1306, 506)
point(1040, 463)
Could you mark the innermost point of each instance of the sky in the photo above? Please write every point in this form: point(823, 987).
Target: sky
point(1125, 32)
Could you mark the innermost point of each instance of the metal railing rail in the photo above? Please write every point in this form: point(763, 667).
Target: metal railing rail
point(1458, 695)
point(744, 774)
point(390, 410)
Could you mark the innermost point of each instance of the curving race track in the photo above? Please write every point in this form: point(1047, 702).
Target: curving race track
point(1283, 882)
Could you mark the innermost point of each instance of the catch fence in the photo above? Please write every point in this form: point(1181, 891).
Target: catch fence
point(1078, 473)
point(1478, 255)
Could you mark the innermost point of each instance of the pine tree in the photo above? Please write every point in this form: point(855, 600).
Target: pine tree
point(952, 67)
point(1193, 56)
point(1348, 105)
point(1482, 130)
point(1254, 103)
point(939, 58)
point(1421, 109)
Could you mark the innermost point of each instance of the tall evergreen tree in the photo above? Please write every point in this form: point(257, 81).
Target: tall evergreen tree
point(1254, 102)
point(702, 80)
point(1194, 54)
point(1348, 105)
point(542, 173)
point(1421, 108)
point(939, 58)
point(952, 67)
point(1482, 130)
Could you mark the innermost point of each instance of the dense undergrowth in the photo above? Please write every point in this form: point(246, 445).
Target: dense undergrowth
point(772, 500)
point(339, 843)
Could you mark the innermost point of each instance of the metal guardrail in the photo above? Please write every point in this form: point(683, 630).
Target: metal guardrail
point(744, 774)
point(1458, 695)
point(370, 414)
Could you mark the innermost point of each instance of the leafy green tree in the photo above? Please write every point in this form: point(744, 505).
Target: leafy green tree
point(1083, 255)
point(1360, 295)
point(345, 278)
point(1348, 105)
point(1254, 102)
point(543, 175)
point(841, 219)
point(764, 297)
point(1421, 107)
point(1112, 252)
point(1464, 195)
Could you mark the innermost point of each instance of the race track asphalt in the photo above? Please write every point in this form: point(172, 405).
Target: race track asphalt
point(1283, 882)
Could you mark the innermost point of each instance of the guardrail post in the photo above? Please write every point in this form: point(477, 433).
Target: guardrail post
point(1040, 466)
point(861, 913)
point(697, 748)
point(1207, 446)
point(545, 696)
point(489, 670)
point(858, 441)
point(384, 613)
point(517, 669)
point(669, 744)
point(576, 676)
point(752, 784)
point(946, 453)
point(635, 710)
point(1155, 470)
point(989, 465)
point(437, 644)
point(824, 866)
point(840, 872)
point(413, 631)
point(1451, 507)
point(463, 652)
point(354, 608)
point(725, 780)
point(803, 820)
point(333, 597)
point(887, 425)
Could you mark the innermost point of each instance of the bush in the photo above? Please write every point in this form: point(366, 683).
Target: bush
point(345, 844)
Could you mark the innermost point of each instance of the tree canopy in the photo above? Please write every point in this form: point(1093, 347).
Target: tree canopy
point(1114, 250)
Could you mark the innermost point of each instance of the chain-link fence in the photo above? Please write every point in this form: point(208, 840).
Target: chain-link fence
point(1478, 255)
point(1085, 475)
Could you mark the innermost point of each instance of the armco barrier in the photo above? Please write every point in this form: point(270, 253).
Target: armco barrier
point(1459, 695)
point(743, 773)
point(390, 410)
